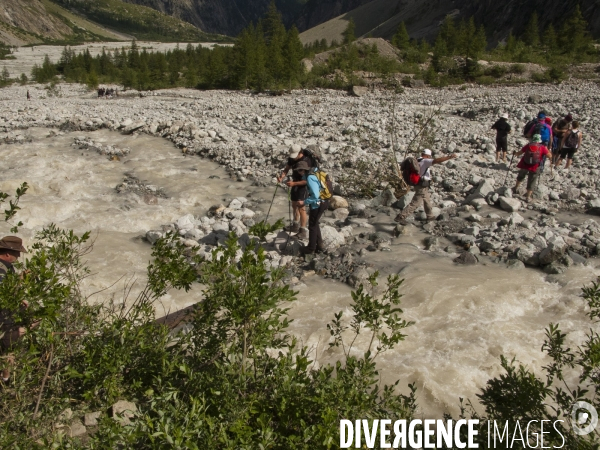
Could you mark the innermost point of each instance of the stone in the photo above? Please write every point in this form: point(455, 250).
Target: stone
point(577, 258)
point(570, 193)
point(528, 255)
point(551, 253)
point(331, 238)
point(153, 235)
point(386, 198)
point(555, 268)
point(235, 204)
point(193, 234)
point(91, 419)
point(341, 213)
point(359, 91)
point(404, 201)
point(474, 218)
point(515, 219)
point(65, 416)
point(150, 199)
point(77, 428)
point(466, 258)
point(185, 222)
point(478, 203)
point(123, 411)
point(509, 204)
point(471, 231)
point(336, 202)
point(515, 264)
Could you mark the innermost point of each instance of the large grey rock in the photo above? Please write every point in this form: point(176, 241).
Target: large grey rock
point(509, 204)
point(404, 201)
point(554, 251)
point(386, 198)
point(466, 258)
point(528, 254)
point(91, 419)
point(153, 235)
point(77, 428)
point(359, 91)
point(336, 202)
point(340, 213)
point(123, 411)
point(331, 238)
point(570, 193)
point(185, 222)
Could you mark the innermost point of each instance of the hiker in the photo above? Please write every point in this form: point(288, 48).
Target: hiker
point(11, 248)
point(570, 143)
point(422, 188)
point(559, 129)
point(28, 96)
point(317, 207)
point(534, 154)
point(542, 128)
point(297, 193)
point(502, 128)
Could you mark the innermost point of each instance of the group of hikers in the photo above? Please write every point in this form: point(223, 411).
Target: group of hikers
point(548, 141)
point(106, 92)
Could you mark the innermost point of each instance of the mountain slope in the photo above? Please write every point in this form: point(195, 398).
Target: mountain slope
point(380, 18)
point(71, 21)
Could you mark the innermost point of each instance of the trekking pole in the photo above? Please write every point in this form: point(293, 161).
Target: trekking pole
point(270, 206)
point(508, 170)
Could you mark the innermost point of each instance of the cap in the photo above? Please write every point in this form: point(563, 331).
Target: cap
point(504, 115)
point(295, 149)
point(548, 120)
point(536, 138)
point(302, 165)
point(541, 115)
point(426, 152)
point(12, 243)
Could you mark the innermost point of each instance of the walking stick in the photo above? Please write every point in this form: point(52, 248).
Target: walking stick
point(269, 211)
point(508, 170)
point(287, 241)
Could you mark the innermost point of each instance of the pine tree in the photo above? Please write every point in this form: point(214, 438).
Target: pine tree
point(5, 76)
point(511, 44)
point(293, 52)
point(401, 39)
point(550, 39)
point(531, 36)
point(348, 33)
point(448, 34)
point(574, 37)
point(92, 80)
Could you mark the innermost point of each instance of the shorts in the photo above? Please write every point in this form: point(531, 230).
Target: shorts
point(567, 153)
point(298, 193)
point(531, 177)
point(502, 144)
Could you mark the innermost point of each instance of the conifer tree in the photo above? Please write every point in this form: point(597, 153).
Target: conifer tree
point(401, 39)
point(574, 36)
point(348, 34)
point(550, 39)
point(448, 34)
point(531, 36)
point(293, 53)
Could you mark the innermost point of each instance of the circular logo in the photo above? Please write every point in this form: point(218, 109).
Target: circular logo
point(580, 418)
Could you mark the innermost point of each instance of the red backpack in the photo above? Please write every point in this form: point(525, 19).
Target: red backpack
point(533, 154)
point(411, 171)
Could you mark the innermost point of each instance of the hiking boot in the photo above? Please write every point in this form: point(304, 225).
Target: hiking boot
point(302, 234)
point(306, 251)
point(321, 248)
point(431, 219)
point(293, 228)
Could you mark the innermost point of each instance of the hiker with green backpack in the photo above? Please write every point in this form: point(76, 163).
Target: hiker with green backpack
point(530, 164)
point(320, 191)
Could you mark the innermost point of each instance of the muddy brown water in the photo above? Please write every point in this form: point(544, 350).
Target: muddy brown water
point(465, 317)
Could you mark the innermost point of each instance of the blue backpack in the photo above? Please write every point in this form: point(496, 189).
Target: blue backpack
point(543, 130)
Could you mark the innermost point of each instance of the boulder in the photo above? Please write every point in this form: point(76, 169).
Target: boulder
point(336, 202)
point(91, 419)
point(466, 258)
point(331, 238)
point(185, 222)
point(77, 428)
point(153, 235)
point(123, 411)
point(404, 201)
point(359, 91)
point(553, 252)
point(341, 214)
point(528, 255)
point(570, 193)
point(509, 204)
point(386, 198)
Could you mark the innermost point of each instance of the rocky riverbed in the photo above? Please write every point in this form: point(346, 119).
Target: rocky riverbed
point(251, 134)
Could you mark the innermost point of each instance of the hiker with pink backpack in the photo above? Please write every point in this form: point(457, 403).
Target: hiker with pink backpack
point(534, 155)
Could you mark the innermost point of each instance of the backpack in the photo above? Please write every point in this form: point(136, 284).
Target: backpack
point(572, 140)
point(533, 155)
point(411, 171)
point(326, 184)
point(528, 126)
point(313, 152)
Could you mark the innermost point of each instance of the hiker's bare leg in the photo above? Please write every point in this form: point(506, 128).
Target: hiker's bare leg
point(303, 217)
point(569, 161)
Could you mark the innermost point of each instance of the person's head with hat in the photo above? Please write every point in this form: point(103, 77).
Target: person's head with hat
point(426, 154)
point(504, 116)
point(11, 248)
point(302, 167)
point(569, 118)
point(536, 138)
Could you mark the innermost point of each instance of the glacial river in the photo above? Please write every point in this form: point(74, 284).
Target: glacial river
point(466, 316)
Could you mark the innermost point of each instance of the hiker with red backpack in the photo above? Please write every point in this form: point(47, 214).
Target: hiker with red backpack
point(570, 143)
point(415, 172)
point(534, 155)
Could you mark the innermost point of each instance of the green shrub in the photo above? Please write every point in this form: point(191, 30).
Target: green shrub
point(496, 71)
point(517, 68)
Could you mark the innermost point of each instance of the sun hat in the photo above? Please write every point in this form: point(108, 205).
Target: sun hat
point(426, 152)
point(12, 243)
point(504, 115)
point(302, 165)
point(536, 138)
point(295, 149)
